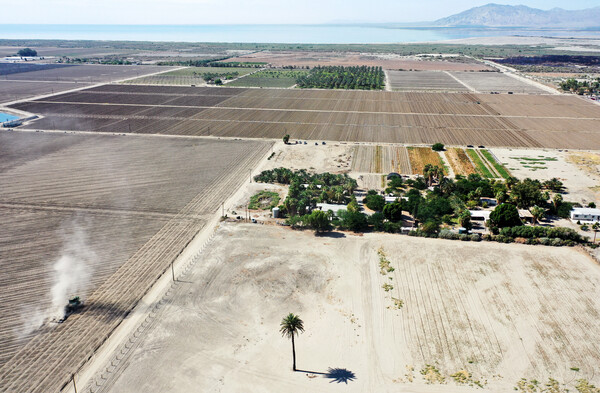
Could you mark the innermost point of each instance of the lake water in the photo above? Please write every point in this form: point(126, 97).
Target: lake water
point(317, 34)
point(7, 117)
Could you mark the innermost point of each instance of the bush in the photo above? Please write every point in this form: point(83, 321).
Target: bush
point(437, 147)
point(545, 241)
point(354, 221)
point(504, 239)
point(392, 227)
point(447, 234)
point(374, 202)
point(376, 220)
point(475, 237)
point(464, 237)
point(556, 242)
point(505, 215)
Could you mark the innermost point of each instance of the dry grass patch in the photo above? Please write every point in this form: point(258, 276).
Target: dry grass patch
point(421, 156)
point(459, 161)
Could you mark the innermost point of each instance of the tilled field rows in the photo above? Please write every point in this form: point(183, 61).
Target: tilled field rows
point(132, 247)
point(452, 119)
point(435, 81)
point(381, 159)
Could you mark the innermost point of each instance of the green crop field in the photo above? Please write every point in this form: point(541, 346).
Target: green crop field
point(502, 171)
point(187, 76)
point(269, 78)
point(481, 168)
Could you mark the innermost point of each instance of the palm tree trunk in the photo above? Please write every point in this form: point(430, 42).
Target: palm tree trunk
point(294, 352)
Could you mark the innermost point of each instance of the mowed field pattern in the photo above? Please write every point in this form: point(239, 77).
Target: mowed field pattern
point(388, 117)
point(124, 206)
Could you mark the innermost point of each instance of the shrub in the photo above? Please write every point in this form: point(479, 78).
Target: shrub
point(464, 237)
point(503, 239)
point(505, 215)
point(447, 234)
point(556, 242)
point(545, 241)
point(437, 147)
point(475, 237)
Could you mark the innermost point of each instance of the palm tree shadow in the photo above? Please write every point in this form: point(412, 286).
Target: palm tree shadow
point(338, 375)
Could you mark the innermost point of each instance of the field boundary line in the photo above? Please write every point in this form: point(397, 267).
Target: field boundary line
point(472, 89)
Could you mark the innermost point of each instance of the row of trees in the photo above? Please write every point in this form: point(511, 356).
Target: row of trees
point(339, 77)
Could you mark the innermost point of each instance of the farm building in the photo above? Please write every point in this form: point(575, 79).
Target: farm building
point(330, 206)
point(480, 215)
point(585, 214)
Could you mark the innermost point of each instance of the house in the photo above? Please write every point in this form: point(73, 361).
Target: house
point(489, 201)
point(480, 215)
point(585, 214)
point(525, 215)
point(330, 206)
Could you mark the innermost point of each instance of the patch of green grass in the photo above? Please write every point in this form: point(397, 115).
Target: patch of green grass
point(269, 78)
point(264, 200)
point(533, 159)
point(481, 168)
point(499, 167)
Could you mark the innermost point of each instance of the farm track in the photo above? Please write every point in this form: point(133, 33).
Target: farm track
point(386, 117)
point(157, 236)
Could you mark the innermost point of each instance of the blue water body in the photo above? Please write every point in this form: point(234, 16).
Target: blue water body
point(317, 34)
point(6, 117)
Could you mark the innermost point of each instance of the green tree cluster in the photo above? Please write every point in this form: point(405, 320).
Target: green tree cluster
point(339, 77)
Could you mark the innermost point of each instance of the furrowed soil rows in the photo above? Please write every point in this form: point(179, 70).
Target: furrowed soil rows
point(133, 203)
point(455, 119)
point(381, 159)
point(431, 81)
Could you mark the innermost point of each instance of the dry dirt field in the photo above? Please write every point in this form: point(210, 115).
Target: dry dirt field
point(500, 312)
point(579, 171)
point(386, 61)
point(381, 159)
point(384, 117)
point(109, 213)
point(459, 161)
point(486, 82)
point(431, 81)
point(18, 86)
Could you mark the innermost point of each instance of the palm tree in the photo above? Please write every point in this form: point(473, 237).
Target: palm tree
point(292, 325)
point(537, 213)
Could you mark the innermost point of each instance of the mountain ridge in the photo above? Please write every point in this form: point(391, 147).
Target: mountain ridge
point(499, 15)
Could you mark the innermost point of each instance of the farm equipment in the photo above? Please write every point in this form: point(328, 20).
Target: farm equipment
point(74, 306)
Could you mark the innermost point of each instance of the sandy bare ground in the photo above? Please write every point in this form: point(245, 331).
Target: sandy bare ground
point(581, 185)
point(502, 312)
point(332, 157)
point(386, 61)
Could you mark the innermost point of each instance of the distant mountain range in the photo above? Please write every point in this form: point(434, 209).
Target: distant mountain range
point(497, 15)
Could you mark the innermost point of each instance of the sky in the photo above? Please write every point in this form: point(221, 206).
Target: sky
point(248, 11)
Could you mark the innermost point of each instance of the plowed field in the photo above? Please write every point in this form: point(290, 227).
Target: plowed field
point(120, 209)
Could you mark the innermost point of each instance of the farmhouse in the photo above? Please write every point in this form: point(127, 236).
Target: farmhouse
point(585, 214)
point(330, 206)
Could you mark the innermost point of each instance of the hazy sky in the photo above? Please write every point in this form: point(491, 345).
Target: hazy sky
point(247, 11)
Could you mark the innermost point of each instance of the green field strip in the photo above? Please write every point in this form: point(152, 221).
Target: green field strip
point(500, 169)
point(479, 165)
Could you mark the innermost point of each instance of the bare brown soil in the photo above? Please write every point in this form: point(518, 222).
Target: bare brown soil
point(312, 59)
point(135, 202)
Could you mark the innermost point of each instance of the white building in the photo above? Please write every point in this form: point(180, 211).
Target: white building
point(329, 206)
point(585, 214)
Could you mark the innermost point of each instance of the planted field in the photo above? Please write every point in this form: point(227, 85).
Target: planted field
point(497, 166)
point(188, 76)
point(482, 167)
point(269, 78)
point(381, 159)
point(366, 116)
point(112, 213)
point(421, 156)
point(459, 161)
point(429, 81)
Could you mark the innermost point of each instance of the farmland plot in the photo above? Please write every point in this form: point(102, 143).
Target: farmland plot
point(376, 117)
point(497, 82)
point(421, 156)
point(123, 207)
point(459, 161)
point(430, 81)
point(187, 76)
point(381, 159)
point(488, 308)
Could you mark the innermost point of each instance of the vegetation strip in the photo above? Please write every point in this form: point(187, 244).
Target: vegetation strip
point(500, 169)
point(479, 165)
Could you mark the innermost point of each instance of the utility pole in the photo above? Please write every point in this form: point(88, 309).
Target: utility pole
point(172, 270)
point(74, 385)
point(222, 209)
